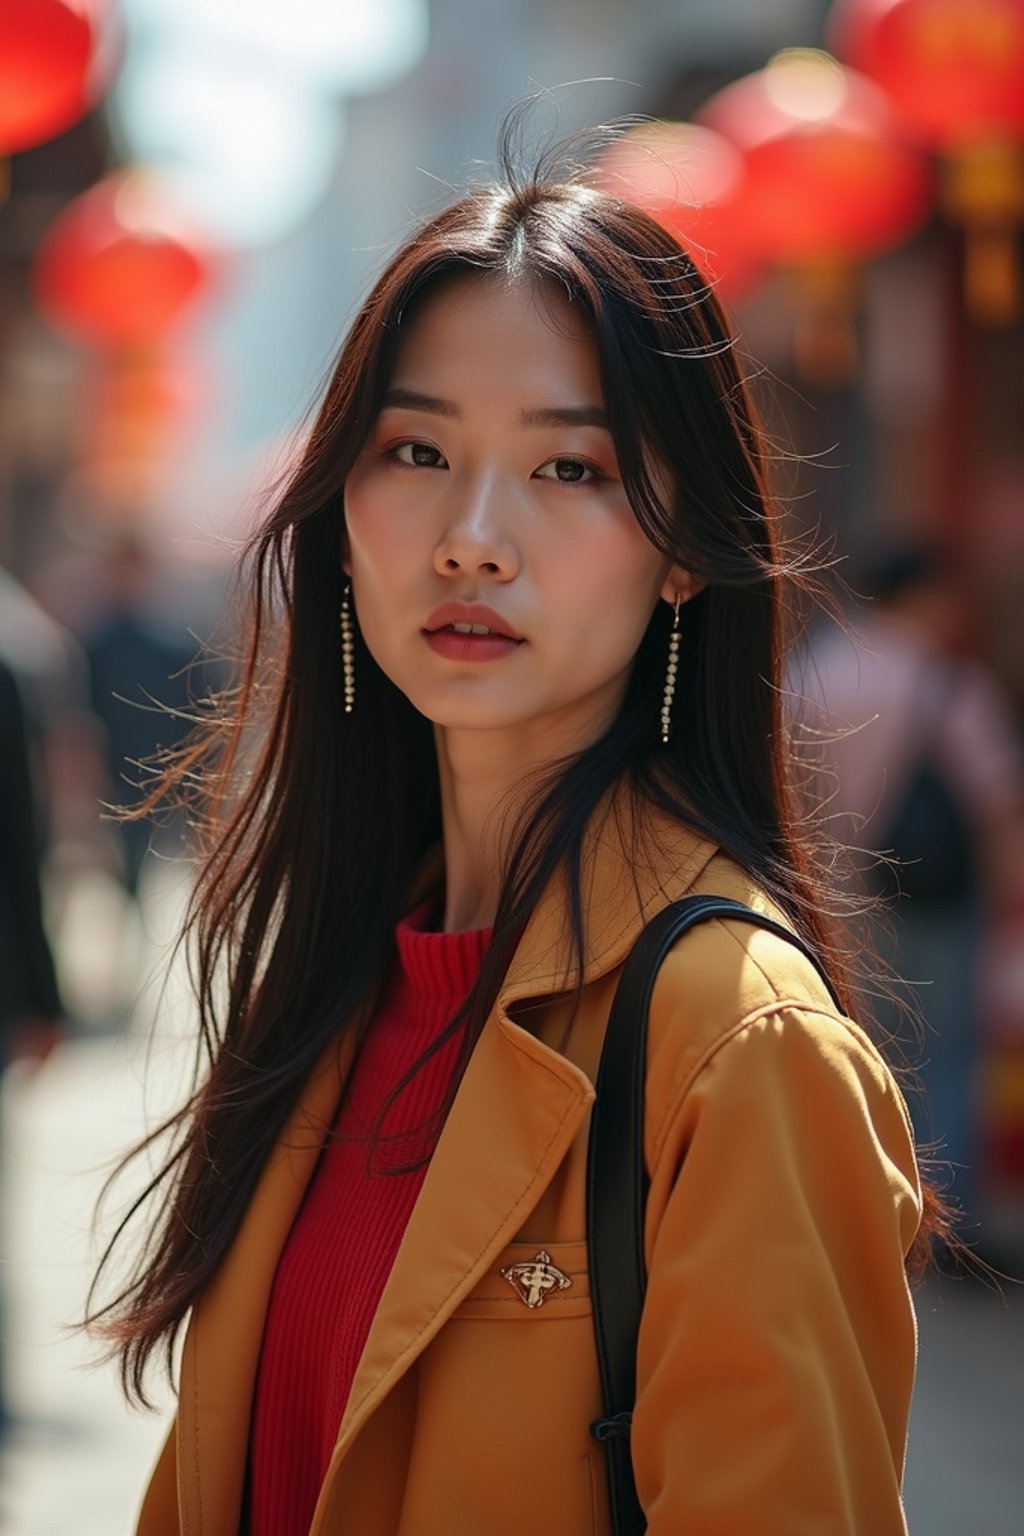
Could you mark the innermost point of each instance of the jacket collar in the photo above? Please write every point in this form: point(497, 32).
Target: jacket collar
point(635, 860)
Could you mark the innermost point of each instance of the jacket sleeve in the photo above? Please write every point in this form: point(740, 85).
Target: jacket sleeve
point(777, 1349)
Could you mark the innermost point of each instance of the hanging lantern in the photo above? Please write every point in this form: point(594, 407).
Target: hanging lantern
point(691, 180)
point(830, 182)
point(132, 409)
point(828, 175)
point(119, 270)
point(50, 74)
point(955, 71)
point(954, 68)
point(120, 266)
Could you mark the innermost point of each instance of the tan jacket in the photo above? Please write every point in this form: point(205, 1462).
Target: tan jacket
point(776, 1356)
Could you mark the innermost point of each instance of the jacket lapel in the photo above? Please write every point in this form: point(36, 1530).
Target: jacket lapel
point(518, 1109)
point(221, 1351)
point(520, 1103)
point(222, 1345)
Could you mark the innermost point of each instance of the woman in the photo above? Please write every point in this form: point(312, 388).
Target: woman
point(516, 651)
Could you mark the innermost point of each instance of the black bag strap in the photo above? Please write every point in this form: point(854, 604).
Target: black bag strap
point(617, 1181)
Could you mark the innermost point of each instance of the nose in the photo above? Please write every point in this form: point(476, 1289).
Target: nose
point(477, 535)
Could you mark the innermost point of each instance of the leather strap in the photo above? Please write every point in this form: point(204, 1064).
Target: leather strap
point(617, 1181)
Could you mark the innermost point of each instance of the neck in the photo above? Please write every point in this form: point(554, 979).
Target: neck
point(485, 777)
point(473, 851)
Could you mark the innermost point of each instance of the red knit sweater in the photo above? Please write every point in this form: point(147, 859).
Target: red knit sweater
point(343, 1243)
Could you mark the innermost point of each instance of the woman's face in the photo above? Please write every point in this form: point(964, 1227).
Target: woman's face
point(490, 480)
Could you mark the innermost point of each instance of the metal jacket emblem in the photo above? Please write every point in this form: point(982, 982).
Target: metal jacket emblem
point(534, 1280)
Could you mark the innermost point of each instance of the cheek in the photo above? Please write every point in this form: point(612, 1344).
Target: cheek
point(374, 534)
point(610, 584)
point(373, 549)
point(353, 502)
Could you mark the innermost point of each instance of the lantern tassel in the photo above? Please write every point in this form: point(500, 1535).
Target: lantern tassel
point(825, 338)
point(992, 275)
point(983, 189)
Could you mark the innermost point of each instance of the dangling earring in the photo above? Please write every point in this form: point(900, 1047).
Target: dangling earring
point(670, 676)
point(348, 650)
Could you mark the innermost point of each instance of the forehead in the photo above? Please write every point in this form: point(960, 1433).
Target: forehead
point(486, 332)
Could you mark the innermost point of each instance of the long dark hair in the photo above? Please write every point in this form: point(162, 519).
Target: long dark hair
point(312, 823)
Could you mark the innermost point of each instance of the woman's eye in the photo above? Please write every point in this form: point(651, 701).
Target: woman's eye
point(567, 471)
point(420, 455)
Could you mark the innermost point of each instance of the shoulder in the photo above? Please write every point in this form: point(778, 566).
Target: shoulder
point(738, 1010)
point(726, 969)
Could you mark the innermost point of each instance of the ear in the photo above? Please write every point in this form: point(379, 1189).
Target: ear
point(344, 554)
point(681, 584)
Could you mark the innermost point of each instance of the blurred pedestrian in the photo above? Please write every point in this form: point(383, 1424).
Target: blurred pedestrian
point(139, 683)
point(513, 687)
point(53, 680)
point(44, 657)
point(30, 1007)
point(929, 770)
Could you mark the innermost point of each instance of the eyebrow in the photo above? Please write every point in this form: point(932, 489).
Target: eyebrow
point(537, 416)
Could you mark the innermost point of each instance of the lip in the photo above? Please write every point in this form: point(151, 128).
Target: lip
point(470, 613)
point(458, 647)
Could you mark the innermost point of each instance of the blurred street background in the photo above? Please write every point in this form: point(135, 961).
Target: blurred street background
point(194, 197)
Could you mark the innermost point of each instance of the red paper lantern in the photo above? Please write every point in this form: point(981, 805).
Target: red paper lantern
point(955, 71)
point(132, 408)
point(692, 181)
point(828, 174)
point(48, 68)
point(121, 265)
point(954, 68)
point(830, 181)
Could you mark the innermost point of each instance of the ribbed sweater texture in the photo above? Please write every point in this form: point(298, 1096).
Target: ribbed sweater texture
point(342, 1245)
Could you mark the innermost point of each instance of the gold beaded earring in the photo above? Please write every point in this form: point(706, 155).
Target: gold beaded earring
point(348, 650)
point(670, 676)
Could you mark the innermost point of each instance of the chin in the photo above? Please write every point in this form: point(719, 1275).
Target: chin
point(466, 713)
point(481, 719)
